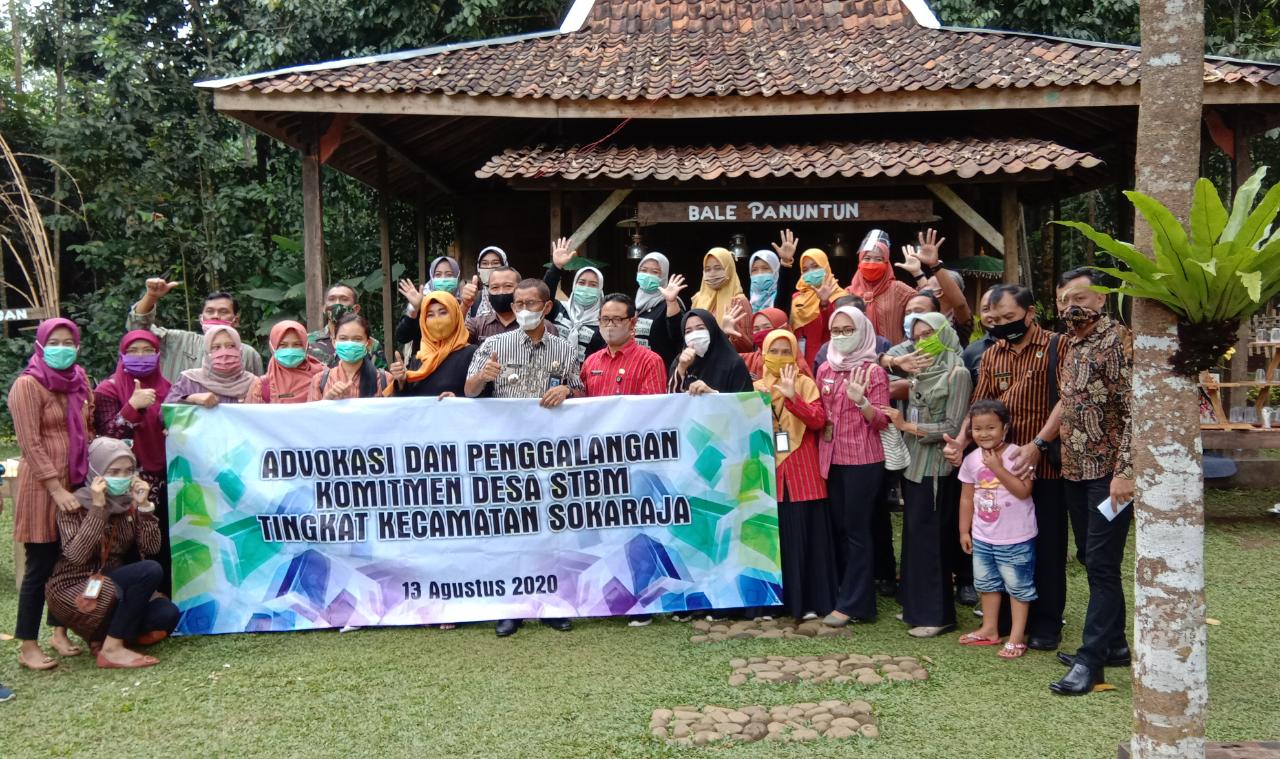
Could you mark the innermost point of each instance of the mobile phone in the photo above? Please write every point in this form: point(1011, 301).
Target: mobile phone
point(92, 588)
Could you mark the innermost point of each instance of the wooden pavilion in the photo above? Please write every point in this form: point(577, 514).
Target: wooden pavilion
point(718, 123)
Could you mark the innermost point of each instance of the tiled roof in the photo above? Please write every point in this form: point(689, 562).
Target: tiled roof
point(961, 158)
point(656, 49)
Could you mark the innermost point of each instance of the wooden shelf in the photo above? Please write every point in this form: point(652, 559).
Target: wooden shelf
point(1251, 383)
point(1238, 437)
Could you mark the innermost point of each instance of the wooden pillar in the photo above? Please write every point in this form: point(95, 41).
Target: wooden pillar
point(1009, 219)
point(420, 226)
point(384, 243)
point(313, 254)
point(556, 215)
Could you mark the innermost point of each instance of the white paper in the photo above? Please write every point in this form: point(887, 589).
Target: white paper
point(1104, 509)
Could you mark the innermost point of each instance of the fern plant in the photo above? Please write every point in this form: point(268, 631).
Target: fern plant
point(1219, 272)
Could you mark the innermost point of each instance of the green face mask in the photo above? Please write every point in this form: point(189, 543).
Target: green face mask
point(445, 284)
point(350, 352)
point(814, 277)
point(339, 310)
point(648, 282)
point(586, 296)
point(932, 345)
point(118, 485)
point(60, 357)
point(290, 358)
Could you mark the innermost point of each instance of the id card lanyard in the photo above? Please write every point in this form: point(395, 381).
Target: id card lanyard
point(781, 438)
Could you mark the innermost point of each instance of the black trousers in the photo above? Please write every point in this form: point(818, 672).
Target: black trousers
point(853, 490)
point(136, 611)
point(1105, 615)
point(39, 568)
point(930, 523)
point(884, 563)
point(1079, 525)
point(808, 566)
point(1045, 619)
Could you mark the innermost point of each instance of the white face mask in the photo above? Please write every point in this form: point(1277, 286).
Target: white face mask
point(484, 275)
point(615, 335)
point(699, 340)
point(528, 320)
point(845, 344)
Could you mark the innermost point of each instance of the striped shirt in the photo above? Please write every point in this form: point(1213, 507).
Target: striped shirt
point(633, 370)
point(484, 327)
point(40, 424)
point(853, 440)
point(800, 474)
point(1018, 375)
point(529, 369)
point(941, 417)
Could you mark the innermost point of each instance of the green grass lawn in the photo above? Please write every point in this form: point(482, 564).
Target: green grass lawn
point(588, 693)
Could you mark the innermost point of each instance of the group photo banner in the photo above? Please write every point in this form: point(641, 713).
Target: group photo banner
point(412, 511)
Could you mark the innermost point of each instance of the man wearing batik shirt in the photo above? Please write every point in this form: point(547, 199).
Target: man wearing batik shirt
point(1095, 394)
point(527, 363)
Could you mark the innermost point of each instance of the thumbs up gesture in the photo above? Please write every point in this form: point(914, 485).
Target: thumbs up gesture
point(397, 369)
point(952, 451)
point(469, 292)
point(491, 369)
point(142, 398)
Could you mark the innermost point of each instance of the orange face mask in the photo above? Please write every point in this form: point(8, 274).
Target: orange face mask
point(873, 271)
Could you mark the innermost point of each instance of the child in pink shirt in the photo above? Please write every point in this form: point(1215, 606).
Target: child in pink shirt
point(1002, 536)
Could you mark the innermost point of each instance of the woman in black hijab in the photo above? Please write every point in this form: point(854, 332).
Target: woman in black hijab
point(709, 363)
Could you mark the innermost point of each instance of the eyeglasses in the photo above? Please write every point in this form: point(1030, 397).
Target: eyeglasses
point(527, 305)
point(844, 332)
point(613, 321)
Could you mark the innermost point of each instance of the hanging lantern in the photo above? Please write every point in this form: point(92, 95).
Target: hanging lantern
point(636, 250)
point(839, 248)
point(738, 246)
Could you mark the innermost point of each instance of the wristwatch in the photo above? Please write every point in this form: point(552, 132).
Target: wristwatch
point(1041, 443)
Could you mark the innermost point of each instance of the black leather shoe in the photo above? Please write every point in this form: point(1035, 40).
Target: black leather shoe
point(1044, 643)
point(887, 588)
point(560, 625)
point(1078, 681)
point(1116, 657)
point(966, 595)
point(507, 627)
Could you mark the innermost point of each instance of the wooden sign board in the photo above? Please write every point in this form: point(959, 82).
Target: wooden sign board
point(22, 314)
point(788, 210)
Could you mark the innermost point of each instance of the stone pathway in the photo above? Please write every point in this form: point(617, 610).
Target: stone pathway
point(713, 632)
point(797, 723)
point(835, 668)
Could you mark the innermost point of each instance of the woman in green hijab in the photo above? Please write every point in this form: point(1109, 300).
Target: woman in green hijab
point(936, 406)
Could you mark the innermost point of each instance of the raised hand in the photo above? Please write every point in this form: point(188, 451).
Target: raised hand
point(469, 292)
point(825, 291)
point(910, 261)
point(491, 369)
point(786, 247)
point(560, 253)
point(97, 492)
point(930, 244)
point(686, 358)
point(397, 369)
point(142, 398)
point(158, 287)
point(856, 387)
point(411, 293)
point(729, 322)
point(787, 381)
point(671, 291)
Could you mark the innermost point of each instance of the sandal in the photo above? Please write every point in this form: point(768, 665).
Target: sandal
point(448, 626)
point(974, 639)
point(1012, 651)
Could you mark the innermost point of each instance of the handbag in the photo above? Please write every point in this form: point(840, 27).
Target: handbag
point(896, 455)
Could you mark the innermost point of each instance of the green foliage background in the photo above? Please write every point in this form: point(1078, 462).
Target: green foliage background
point(168, 187)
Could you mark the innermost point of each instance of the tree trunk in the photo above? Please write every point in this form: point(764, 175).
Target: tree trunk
point(1170, 685)
point(15, 29)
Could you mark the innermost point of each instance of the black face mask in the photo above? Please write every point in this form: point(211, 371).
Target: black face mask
point(501, 303)
point(1011, 331)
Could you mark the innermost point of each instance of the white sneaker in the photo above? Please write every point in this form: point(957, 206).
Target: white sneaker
point(640, 621)
point(808, 616)
point(348, 628)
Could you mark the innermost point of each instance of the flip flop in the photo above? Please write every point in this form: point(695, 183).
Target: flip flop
point(973, 639)
point(141, 661)
point(1012, 651)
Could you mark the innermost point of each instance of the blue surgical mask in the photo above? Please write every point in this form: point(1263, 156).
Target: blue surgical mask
point(118, 485)
point(761, 282)
point(814, 277)
point(648, 282)
point(349, 351)
point(289, 358)
point(586, 296)
point(445, 284)
point(60, 357)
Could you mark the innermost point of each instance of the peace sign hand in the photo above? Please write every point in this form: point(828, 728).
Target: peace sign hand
point(673, 287)
point(786, 249)
point(787, 381)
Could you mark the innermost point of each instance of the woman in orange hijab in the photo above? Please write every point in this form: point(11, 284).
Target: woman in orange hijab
point(811, 304)
point(290, 369)
point(439, 368)
point(886, 297)
point(721, 294)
